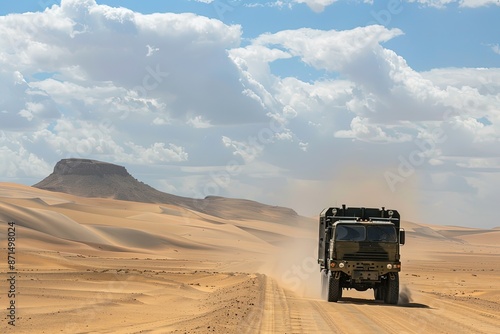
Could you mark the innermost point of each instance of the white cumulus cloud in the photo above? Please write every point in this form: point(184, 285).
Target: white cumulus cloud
point(316, 5)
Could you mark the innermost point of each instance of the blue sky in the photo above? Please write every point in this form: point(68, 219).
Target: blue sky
point(434, 37)
point(300, 103)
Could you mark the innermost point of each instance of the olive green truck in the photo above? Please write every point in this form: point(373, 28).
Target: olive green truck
point(358, 248)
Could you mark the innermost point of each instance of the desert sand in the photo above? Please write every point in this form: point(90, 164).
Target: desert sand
point(89, 265)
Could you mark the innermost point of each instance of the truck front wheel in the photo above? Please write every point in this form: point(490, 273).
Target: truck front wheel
point(324, 284)
point(334, 288)
point(378, 293)
point(392, 289)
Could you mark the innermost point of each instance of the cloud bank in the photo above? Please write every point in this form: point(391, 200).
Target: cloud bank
point(191, 108)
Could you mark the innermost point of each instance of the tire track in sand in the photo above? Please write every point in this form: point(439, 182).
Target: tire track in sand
point(284, 312)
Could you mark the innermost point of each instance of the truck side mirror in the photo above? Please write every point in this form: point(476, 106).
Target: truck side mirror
point(402, 237)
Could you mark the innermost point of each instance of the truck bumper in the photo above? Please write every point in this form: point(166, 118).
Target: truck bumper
point(365, 270)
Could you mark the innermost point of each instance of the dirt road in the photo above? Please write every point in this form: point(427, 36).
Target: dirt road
point(359, 313)
point(78, 294)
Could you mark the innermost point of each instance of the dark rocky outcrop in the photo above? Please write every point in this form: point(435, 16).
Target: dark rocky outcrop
point(88, 167)
point(92, 178)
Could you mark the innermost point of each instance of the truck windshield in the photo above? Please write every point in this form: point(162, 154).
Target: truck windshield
point(381, 233)
point(350, 233)
point(365, 233)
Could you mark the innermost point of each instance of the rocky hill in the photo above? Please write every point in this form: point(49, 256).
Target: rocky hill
point(92, 178)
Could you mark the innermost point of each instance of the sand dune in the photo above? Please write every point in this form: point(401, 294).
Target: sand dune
point(122, 225)
point(49, 222)
point(91, 265)
point(482, 238)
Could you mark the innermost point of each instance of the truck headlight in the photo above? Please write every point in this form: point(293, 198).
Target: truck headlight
point(341, 265)
point(389, 266)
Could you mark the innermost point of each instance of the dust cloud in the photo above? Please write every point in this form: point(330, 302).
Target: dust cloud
point(404, 296)
point(365, 187)
point(295, 267)
point(356, 186)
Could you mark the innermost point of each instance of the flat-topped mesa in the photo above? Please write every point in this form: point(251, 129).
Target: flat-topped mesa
point(98, 179)
point(92, 178)
point(88, 167)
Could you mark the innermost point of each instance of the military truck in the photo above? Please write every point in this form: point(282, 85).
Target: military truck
point(358, 248)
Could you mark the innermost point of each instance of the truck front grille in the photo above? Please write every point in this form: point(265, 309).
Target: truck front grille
point(368, 256)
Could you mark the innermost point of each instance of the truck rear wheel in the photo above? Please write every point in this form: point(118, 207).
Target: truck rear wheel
point(334, 288)
point(392, 289)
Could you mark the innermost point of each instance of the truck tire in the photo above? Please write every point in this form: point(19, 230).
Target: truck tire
point(324, 284)
point(334, 288)
point(392, 289)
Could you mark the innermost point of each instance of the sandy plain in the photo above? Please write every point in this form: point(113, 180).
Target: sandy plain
point(86, 265)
